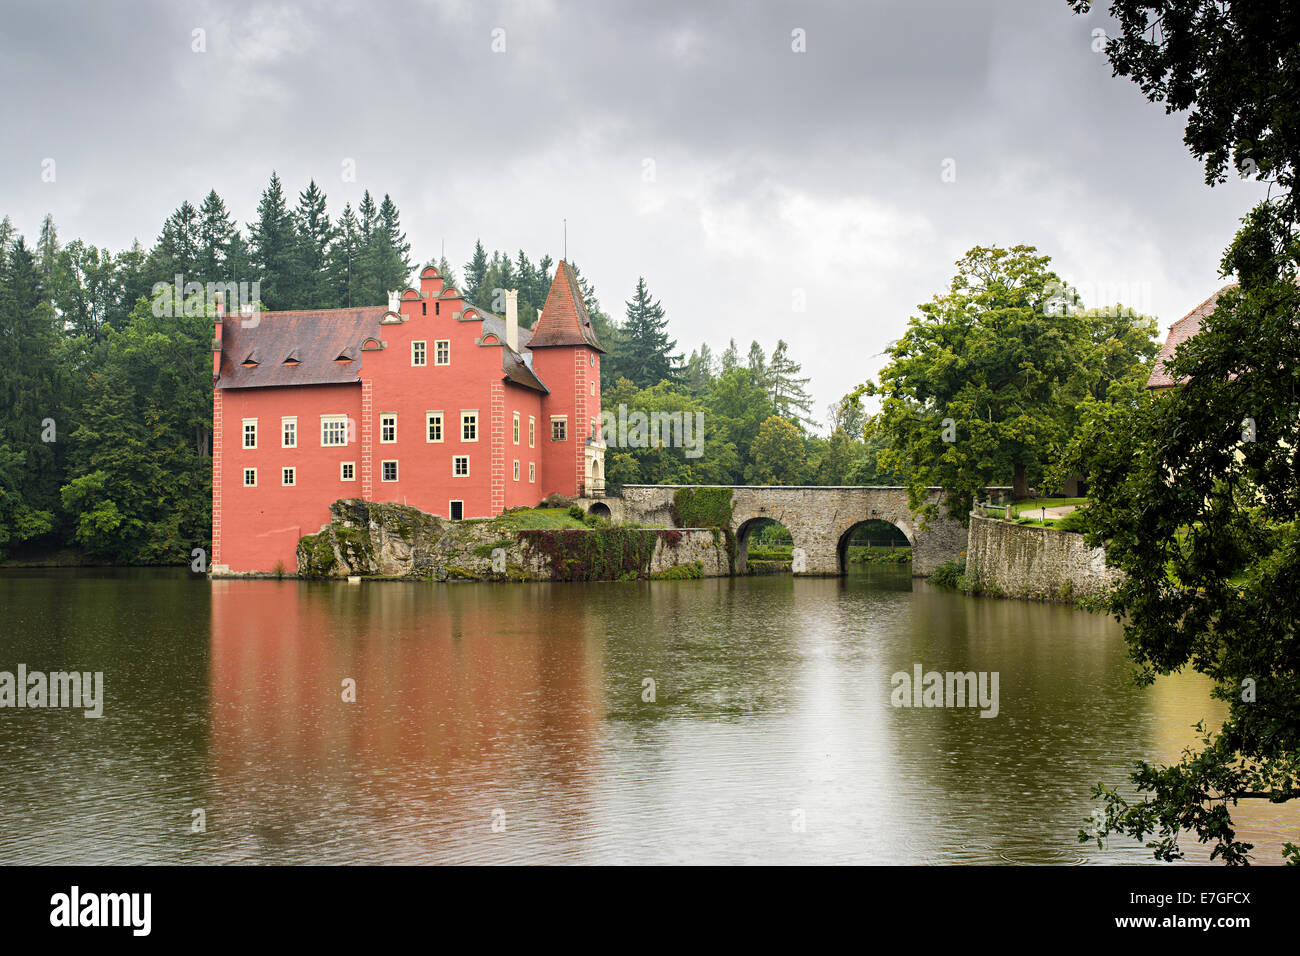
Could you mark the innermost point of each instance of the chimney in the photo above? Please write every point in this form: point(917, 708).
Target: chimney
point(512, 320)
point(216, 335)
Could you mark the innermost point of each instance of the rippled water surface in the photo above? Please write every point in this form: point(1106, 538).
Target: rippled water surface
point(506, 723)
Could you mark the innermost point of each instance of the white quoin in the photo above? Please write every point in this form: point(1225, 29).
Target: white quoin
point(512, 319)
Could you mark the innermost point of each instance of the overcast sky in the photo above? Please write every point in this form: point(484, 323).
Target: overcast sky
point(687, 142)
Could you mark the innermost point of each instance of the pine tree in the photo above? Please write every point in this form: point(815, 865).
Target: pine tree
point(385, 260)
point(758, 365)
point(47, 251)
point(313, 234)
point(475, 272)
point(31, 393)
point(273, 250)
point(130, 267)
point(789, 391)
point(730, 357)
point(345, 260)
point(177, 250)
point(699, 372)
point(447, 272)
point(644, 351)
point(216, 230)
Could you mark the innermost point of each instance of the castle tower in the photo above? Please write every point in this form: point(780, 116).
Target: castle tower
point(566, 356)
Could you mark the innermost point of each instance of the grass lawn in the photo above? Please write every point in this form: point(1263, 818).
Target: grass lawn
point(1036, 504)
point(527, 519)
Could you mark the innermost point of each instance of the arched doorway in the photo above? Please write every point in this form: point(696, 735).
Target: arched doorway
point(764, 546)
point(873, 542)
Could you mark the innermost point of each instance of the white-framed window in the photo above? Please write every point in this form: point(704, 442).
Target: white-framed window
point(333, 430)
point(433, 426)
point(387, 428)
point(559, 428)
point(516, 469)
point(250, 477)
point(288, 477)
point(460, 466)
point(516, 428)
point(469, 425)
point(347, 471)
point(419, 353)
point(532, 471)
point(388, 470)
point(532, 432)
point(289, 433)
point(250, 432)
point(442, 352)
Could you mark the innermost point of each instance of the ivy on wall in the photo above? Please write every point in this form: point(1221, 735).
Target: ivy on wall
point(702, 507)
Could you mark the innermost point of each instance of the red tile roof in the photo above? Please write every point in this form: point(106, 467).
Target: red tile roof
point(564, 317)
point(1180, 332)
point(314, 338)
point(313, 341)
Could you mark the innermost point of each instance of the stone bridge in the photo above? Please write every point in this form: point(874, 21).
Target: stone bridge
point(820, 518)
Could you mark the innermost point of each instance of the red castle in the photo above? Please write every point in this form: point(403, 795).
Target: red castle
point(431, 402)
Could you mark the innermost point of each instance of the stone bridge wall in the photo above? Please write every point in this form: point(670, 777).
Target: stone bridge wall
point(817, 517)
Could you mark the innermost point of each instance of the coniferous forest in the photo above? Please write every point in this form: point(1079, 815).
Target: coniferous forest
point(106, 406)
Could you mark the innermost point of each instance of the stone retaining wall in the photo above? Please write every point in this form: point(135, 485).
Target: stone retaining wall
point(1044, 564)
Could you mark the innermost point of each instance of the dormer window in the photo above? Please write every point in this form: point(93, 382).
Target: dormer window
point(291, 358)
point(250, 360)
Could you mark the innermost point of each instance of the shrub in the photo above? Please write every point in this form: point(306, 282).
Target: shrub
point(950, 574)
point(1076, 520)
point(680, 572)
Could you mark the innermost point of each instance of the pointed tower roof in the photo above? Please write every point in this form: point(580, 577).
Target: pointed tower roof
point(564, 317)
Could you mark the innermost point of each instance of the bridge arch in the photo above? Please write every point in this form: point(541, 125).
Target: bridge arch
point(748, 530)
point(817, 516)
point(600, 510)
point(899, 525)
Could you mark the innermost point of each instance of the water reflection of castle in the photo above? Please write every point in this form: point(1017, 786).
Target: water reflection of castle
point(444, 726)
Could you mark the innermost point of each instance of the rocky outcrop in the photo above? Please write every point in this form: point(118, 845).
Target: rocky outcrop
point(380, 539)
point(383, 540)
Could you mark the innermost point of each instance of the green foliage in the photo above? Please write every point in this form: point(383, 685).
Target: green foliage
point(1195, 490)
point(702, 507)
point(1076, 521)
point(778, 454)
point(863, 555)
point(594, 554)
point(985, 385)
point(950, 575)
point(680, 572)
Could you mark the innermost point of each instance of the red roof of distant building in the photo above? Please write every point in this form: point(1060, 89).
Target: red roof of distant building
point(1182, 330)
point(564, 316)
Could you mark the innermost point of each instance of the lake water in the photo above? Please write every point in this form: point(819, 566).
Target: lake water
point(507, 723)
